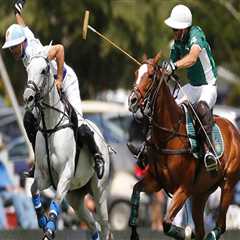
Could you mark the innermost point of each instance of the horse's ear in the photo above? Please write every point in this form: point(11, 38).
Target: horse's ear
point(157, 57)
point(144, 57)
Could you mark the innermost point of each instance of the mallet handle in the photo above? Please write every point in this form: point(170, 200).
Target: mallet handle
point(116, 46)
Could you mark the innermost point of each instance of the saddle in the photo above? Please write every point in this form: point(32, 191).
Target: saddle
point(194, 138)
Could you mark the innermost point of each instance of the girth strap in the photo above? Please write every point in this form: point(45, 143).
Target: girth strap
point(167, 151)
point(175, 151)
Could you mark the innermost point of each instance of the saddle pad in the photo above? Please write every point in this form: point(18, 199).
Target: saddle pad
point(216, 134)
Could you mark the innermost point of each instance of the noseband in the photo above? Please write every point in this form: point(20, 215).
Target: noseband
point(149, 97)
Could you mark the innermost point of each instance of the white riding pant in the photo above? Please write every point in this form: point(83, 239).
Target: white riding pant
point(71, 89)
point(207, 93)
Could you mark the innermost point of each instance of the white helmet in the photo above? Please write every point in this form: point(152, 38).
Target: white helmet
point(180, 17)
point(14, 36)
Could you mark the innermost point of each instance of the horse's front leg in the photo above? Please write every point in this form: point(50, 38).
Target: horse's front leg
point(198, 205)
point(149, 185)
point(42, 219)
point(179, 198)
point(62, 188)
point(135, 201)
point(100, 197)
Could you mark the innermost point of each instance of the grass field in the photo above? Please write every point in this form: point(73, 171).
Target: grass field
point(145, 234)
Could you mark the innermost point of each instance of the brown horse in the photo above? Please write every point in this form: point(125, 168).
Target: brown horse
point(171, 166)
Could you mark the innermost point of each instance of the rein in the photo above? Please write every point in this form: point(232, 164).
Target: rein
point(45, 134)
point(57, 126)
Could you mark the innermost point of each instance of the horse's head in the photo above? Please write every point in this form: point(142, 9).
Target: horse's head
point(145, 76)
point(38, 81)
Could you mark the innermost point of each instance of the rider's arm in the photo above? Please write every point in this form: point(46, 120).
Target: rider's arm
point(19, 20)
point(56, 52)
point(190, 59)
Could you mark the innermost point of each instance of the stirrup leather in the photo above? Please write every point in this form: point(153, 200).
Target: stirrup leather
point(210, 162)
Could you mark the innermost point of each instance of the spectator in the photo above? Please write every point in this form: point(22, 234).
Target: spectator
point(16, 196)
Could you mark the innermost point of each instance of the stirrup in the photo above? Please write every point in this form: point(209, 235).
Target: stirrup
point(99, 165)
point(210, 162)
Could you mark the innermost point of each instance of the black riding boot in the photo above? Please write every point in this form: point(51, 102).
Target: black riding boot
point(139, 153)
point(31, 127)
point(85, 136)
point(206, 118)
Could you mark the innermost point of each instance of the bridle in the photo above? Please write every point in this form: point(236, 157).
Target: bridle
point(148, 108)
point(39, 96)
point(41, 105)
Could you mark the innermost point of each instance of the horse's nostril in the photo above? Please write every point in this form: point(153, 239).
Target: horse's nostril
point(133, 100)
point(30, 99)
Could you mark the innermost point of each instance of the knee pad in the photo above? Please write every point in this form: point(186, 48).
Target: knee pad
point(86, 136)
point(84, 131)
point(29, 121)
point(31, 126)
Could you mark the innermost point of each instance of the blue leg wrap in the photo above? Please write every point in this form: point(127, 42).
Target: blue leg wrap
point(36, 201)
point(55, 208)
point(42, 219)
point(53, 214)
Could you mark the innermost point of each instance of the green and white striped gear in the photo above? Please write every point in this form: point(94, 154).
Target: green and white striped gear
point(204, 71)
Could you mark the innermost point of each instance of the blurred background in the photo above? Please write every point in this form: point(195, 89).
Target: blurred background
point(105, 78)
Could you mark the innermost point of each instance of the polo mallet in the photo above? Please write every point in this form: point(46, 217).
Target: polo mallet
point(86, 26)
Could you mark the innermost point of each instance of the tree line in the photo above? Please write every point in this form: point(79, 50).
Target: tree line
point(135, 25)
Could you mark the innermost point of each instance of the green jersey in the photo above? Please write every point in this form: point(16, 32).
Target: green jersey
point(204, 71)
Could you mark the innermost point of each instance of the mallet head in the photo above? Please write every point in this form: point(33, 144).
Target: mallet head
point(85, 24)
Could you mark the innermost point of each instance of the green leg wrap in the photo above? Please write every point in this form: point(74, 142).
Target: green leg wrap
point(214, 234)
point(174, 231)
point(135, 199)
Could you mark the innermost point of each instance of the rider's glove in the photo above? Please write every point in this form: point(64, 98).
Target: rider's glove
point(18, 6)
point(169, 67)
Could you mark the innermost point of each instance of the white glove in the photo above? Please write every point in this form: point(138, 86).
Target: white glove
point(169, 67)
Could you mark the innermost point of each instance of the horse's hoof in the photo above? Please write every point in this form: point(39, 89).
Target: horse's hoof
point(211, 236)
point(134, 235)
point(110, 236)
point(188, 233)
point(48, 235)
point(95, 236)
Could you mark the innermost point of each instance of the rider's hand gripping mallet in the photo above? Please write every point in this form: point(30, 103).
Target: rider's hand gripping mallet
point(86, 26)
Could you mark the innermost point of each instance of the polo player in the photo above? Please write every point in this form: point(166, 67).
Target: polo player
point(191, 51)
point(23, 45)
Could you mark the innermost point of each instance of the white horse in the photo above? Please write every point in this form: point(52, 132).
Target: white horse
point(55, 151)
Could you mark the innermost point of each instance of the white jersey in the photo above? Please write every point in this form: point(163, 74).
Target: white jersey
point(34, 48)
point(70, 81)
